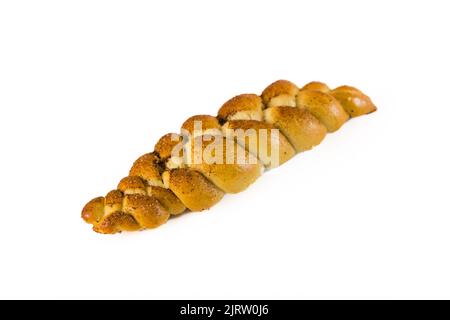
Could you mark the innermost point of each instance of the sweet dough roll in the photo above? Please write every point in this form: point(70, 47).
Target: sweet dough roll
point(171, 179)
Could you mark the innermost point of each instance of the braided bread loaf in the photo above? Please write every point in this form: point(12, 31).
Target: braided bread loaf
point(168, 181)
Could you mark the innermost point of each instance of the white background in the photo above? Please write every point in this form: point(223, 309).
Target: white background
point(88, 86)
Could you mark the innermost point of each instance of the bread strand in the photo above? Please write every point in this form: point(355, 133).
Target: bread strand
point(161, 184)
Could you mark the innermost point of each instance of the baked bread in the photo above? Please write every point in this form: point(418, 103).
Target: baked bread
point(225, 154)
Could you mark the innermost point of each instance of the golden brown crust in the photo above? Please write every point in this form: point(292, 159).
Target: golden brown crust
point(114, 197)
point(277, 88)
point(113, 202)
point(248, 124)
point(206, 122)
point(117, 221)
point(168, 199)
point(132, 184)
point(132, 207)
point(232, 175)
point(195, 191)
point(167, 143)
point(254, 130)
point(354, 101)
point(148, 168)
point(283, 89)
point(324, 107)
point(146, 210)
point(250, 104)
point(317, 86)
point(93, 210)
point(301, 128)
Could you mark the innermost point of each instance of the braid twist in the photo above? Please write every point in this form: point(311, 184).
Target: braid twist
point(168, 181)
